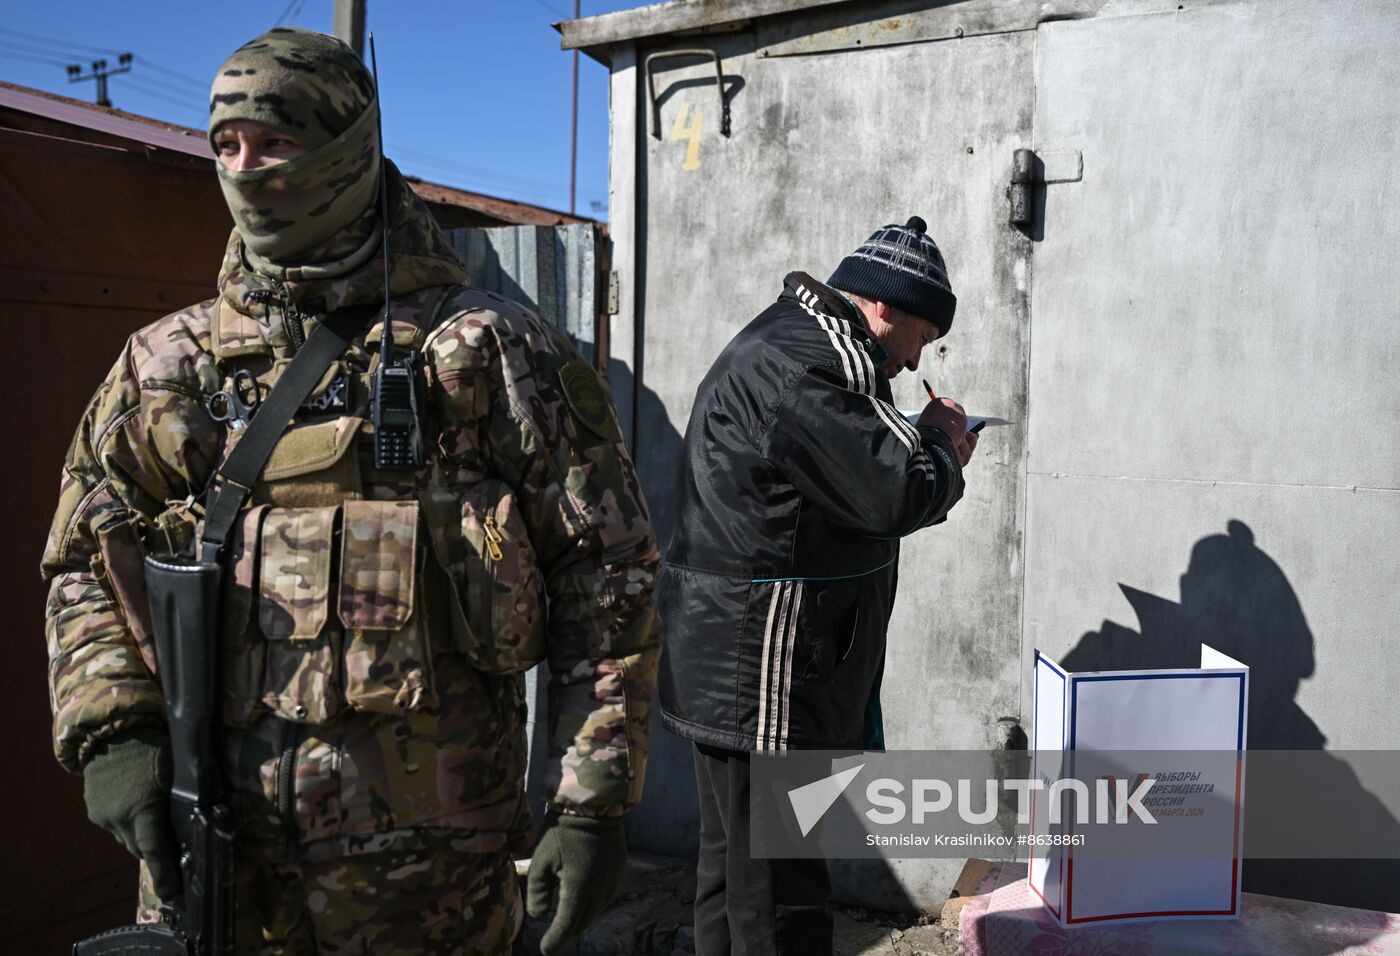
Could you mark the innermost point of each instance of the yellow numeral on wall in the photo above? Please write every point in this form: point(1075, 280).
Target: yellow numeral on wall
point(692, 133)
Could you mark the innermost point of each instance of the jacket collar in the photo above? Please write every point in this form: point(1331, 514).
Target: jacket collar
point(819, 297)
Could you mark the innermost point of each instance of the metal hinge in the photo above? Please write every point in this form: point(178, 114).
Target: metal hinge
point(612, 293)
point(1030, 169)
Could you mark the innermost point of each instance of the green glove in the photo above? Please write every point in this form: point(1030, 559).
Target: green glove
point(586, 857)
point(126, 784)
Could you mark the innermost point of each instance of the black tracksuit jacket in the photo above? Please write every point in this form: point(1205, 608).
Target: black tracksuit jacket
point(799, 480)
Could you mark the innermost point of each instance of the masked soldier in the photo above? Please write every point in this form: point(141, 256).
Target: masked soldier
point(375, 623)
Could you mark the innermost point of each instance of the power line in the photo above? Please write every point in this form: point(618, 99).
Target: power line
point(36, 51)
point(293, 3)
point(449, 176)
point(69, 49)
point(140, 84)
point(195, 107)
point(500, 179)
point(156, 83)
point(467, 167)
point(202, 85)
point(553, 9)
point(16, 55)
point(66, 44)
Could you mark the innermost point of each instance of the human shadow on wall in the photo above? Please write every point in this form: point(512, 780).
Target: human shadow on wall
point(668, 819)
point(1236, 599)
point(656, 444)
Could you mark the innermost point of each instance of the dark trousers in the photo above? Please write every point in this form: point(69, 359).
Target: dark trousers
point(742, 905)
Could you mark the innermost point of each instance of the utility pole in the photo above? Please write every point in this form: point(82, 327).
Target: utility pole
point(573, 133)
point(100, 72)
point(348, 23)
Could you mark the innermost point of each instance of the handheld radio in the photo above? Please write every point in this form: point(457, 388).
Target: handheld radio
point(398, 437)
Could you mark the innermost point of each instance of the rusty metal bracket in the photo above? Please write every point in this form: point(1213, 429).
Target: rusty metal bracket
point(676, 54)
point(1023, 181)
point(1034, 168)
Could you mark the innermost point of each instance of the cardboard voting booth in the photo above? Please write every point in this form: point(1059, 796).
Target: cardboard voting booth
point(1176, 735)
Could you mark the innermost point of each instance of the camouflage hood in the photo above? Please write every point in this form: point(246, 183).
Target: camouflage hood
point(315, 90)
point(420, 256)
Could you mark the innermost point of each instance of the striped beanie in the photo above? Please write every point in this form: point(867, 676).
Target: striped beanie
point(900, 266)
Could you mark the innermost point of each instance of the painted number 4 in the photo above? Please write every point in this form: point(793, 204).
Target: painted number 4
point(691, 134)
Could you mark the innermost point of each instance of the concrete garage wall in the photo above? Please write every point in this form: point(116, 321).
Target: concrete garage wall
point(1214, 328)
point(1214, 413)
point(1195, 339)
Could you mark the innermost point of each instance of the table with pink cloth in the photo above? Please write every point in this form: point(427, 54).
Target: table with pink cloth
point(1003, 917)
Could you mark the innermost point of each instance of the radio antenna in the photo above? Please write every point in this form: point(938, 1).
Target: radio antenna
point(398, 437)
point(386, 337)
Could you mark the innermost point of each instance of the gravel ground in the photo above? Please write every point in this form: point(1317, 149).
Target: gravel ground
point(866, 933)
point(651, 917)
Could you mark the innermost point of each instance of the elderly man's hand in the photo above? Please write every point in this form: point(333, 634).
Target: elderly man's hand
point(948, 417)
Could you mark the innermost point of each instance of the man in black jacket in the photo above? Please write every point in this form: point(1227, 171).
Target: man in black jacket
point(799, 480)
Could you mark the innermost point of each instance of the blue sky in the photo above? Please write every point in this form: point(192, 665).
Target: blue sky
point(476, 92)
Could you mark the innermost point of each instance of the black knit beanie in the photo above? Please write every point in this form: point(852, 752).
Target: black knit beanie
point(900, 266)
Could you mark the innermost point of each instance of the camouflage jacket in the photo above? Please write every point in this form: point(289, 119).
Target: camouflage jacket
point(376, 624)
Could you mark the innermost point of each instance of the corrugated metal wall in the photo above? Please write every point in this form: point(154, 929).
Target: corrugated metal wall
point(552, 269)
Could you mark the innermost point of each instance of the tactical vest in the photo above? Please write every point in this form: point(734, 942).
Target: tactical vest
point(344, 583)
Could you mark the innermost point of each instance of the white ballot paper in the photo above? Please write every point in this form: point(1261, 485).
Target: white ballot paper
point(1176, 738)
point(974, 422)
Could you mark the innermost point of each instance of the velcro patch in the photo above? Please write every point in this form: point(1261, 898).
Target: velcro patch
point(587, 397)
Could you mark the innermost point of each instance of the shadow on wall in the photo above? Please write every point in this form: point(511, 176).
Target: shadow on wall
point(484, 271)
point(668, 819)
point(657, 451)
point(1235, 598)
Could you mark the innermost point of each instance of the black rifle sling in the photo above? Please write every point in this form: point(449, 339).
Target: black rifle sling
point(233, 483)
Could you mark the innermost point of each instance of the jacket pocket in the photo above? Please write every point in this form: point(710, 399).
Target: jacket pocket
point(119, 566)
point(828, 629)
point(504, 589)
point(851, 639)
point(495, 600)
point(296, 547)
point(388, 666)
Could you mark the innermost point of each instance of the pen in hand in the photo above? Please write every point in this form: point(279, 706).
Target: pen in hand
point(933, 398)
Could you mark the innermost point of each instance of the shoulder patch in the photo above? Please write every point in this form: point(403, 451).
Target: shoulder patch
point(586, 396)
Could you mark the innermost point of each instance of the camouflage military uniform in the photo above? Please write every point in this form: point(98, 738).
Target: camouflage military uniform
point(376, 625)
